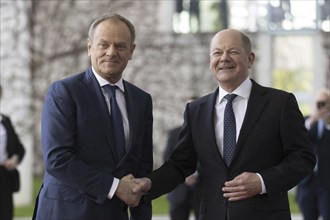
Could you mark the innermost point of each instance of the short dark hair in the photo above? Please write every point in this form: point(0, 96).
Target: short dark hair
point(98, 20)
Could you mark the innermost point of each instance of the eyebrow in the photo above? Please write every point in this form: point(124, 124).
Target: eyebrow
point(119, 42)
point(232, 48)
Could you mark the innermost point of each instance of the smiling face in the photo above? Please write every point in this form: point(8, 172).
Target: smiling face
point(230, 59)
point(110, 48)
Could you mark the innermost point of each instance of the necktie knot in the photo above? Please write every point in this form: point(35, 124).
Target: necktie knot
point(230, 97)
point(111, 90)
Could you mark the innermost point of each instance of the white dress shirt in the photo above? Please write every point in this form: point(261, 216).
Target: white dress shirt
point(239, 107)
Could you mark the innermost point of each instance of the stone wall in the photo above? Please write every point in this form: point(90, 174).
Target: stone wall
point(172, 68)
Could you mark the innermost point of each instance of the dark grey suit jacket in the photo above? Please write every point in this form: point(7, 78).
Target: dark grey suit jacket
point(322, 150)
point(273, 142)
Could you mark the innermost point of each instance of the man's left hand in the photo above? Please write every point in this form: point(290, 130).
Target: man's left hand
point(242, 186)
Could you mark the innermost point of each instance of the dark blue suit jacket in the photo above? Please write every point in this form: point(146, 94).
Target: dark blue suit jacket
point(79, 153)
point(273, 142)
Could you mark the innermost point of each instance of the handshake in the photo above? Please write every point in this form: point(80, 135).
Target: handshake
point(131, 189)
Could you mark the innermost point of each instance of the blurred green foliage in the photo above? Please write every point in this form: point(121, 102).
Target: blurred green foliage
point(295, 81)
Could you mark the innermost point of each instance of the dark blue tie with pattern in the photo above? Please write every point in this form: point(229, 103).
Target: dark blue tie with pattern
point(117, 121)
point(229, 132)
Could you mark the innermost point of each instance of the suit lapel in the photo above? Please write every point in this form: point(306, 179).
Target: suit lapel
point(95, 96)
point(131, 101)
point(207, 127)
point(256, 104)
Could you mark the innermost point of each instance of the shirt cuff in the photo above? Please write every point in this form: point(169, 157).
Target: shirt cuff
point(113, 188)
point(263, 187)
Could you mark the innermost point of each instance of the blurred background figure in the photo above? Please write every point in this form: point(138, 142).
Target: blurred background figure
point(313, 192)
point(11, 154)
point(186, 197)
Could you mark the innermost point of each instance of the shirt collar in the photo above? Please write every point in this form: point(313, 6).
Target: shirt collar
point(103, 82)
point(243, 90)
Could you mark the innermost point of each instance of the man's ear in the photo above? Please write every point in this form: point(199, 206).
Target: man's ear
point(251, 58)
point(132, 50)
point(89, 45)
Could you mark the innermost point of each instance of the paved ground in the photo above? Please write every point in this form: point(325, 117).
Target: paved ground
point(294, 217)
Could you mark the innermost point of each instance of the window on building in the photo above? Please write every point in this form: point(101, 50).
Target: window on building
point(258, 15)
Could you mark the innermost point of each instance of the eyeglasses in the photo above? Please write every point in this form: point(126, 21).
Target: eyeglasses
point(320, 104)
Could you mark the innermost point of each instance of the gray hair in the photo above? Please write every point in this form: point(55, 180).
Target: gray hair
point(246, 43)
point(98, 20)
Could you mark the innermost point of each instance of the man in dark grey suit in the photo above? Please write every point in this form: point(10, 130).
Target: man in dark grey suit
point(271, 151)
point(86, 169)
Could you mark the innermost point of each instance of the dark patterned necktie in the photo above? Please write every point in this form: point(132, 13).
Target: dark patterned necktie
point(229, 132)
point(117, 121)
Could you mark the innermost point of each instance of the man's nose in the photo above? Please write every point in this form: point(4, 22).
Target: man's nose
point(224, 57)
point(111, 50)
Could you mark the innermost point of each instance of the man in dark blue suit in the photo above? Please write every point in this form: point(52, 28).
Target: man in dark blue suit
point(269, 144)
point(313, 193)
point(85, 176)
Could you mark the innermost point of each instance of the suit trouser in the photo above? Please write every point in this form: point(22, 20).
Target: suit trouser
point(314, 201)
point(6, 196)
point(181, 210)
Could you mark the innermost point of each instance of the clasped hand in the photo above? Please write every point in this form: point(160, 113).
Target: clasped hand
point(130, 189)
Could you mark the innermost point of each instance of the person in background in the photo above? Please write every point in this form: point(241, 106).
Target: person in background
point(11, 154)
point(313, 192)
point(185, 197)
point(96, 129)
point(249, 140)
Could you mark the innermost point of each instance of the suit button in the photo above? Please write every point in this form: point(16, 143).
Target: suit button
point(225, 202)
